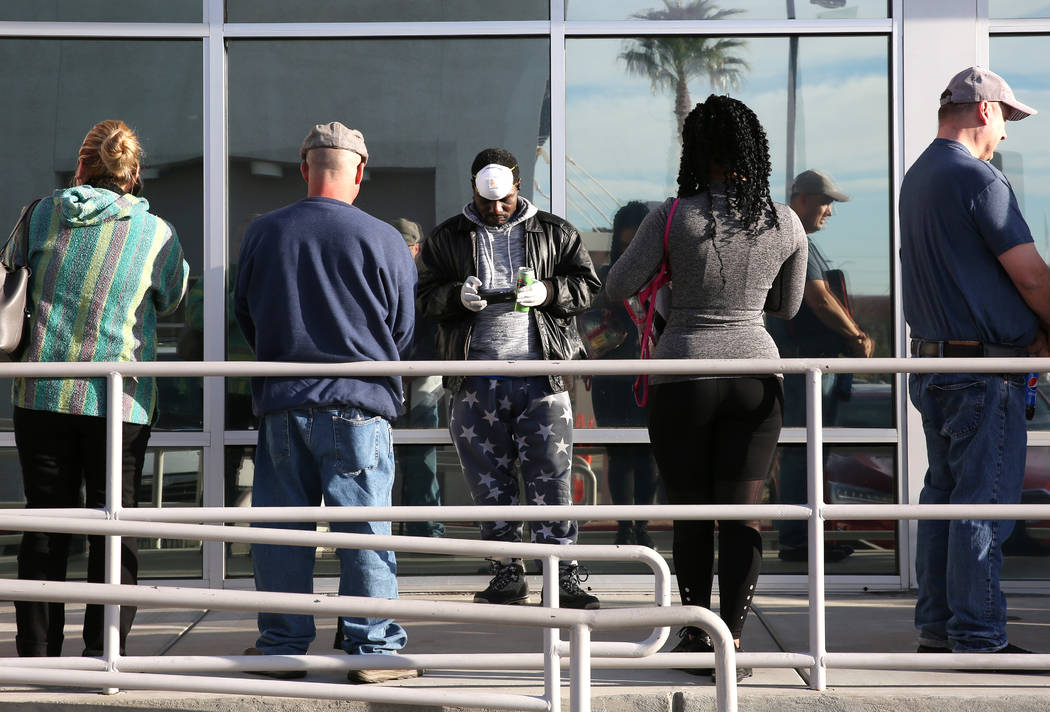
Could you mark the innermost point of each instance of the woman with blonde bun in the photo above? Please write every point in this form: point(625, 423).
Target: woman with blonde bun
point(103, 268)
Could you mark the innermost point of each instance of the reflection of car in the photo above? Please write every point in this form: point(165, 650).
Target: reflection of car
point(867, 476)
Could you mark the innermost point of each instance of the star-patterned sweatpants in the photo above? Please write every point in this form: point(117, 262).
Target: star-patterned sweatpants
point(497, 421)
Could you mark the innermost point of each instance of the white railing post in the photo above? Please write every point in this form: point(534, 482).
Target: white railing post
point(815, 478)
point(580, 669)
point(114, 502)
point(551, 636)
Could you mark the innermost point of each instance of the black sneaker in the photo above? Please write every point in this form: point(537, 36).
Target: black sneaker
point(694, 640)
point(570, 594)
point(641, 534)
point(275, 674)
point(1010, 649)
point(625, 535)
point(742, 673)
point(507, 587)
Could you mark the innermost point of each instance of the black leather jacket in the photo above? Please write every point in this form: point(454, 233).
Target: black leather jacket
point(553, 248)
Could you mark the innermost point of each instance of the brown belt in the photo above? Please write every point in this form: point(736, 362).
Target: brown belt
point(963, 349)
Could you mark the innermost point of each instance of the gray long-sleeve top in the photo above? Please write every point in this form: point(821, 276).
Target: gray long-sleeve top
point(721, 287)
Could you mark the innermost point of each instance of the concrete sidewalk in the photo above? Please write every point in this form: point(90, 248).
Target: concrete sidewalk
point(874, 622)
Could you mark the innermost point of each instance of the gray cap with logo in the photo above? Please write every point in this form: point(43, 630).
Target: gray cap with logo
point(334, 135)
point(975, 84)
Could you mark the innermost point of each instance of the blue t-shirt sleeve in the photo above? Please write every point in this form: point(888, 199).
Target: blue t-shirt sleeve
point(999, 219)
point(816, 265)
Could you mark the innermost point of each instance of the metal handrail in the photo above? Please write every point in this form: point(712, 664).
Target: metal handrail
point(126, 521)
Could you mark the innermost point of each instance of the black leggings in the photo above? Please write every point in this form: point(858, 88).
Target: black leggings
point(714, 441)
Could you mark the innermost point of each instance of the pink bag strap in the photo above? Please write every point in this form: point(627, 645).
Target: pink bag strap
point(663, 276)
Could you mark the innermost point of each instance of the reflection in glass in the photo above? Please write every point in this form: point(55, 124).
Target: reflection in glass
point(814, 96)
point(384, 10)
point(1028, 546)
point(171, 477)
point(1016, 9)
point(1024, 157)
point(164, 108)
point(658, 10)
point(101, 11)
point(426, 107)
point(852, 475)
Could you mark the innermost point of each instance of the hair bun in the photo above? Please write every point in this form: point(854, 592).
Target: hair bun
point(111, 152)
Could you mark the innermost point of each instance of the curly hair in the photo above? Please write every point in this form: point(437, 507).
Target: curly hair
point(724, 133)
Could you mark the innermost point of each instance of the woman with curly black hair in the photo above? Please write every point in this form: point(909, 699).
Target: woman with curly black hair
point(734, 254)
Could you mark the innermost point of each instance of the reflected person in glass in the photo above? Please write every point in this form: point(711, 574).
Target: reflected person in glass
point(611, 333)
point(103, 269)
point(824, 326)
point(733, 254)
point(417, 464)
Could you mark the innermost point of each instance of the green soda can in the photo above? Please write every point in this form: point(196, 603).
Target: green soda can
point(526, 275)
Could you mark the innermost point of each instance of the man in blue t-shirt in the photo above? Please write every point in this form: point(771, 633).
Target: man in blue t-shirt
point(322, 281)
point(823, 326)
point(974, 285)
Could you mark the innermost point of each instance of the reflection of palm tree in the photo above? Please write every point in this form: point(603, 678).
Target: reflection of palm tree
point(670, 62)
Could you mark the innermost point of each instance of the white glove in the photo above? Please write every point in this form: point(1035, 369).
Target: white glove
point(532, 295)
point(468, 294)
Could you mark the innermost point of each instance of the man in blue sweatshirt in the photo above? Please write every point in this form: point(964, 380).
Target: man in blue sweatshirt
point(322, 281)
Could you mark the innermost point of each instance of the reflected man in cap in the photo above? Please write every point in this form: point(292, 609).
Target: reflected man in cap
point(973, 285)
point(467, 278)
point(823, 326)
point(322, 281)
point(417, 464)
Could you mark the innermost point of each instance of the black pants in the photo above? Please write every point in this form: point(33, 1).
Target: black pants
point(714, 441)
point(59, 453)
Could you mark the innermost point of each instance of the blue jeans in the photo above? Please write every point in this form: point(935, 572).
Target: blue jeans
point(344, 455)
point(418, 463)
point(975, 442)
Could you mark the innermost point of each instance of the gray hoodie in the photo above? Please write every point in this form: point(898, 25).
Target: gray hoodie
point(499, 332)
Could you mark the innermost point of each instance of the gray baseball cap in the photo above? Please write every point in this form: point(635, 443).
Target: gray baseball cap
point(334, 135)
point(813, 182)
point(975, 84)
point(409, 230)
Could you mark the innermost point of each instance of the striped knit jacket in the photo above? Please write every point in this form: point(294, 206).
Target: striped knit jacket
point(103, 269)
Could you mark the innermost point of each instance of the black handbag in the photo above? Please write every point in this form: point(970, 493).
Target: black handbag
point(14, 290)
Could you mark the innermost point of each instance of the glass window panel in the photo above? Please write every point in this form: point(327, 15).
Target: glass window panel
point(841, 92)
point(165, 109)
point(426, 107)
point(102, 11)
point(171, 477)
point(1025, 155)
point(383, 10)
point(1013, 9)
point(707, 10)
point(1026, 549)
point(853, 474)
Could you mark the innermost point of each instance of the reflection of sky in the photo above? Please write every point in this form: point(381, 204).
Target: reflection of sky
point(752, 9)
point(1027, 140)
point(1011, 9)
point(623, 135)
